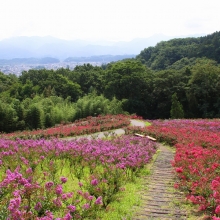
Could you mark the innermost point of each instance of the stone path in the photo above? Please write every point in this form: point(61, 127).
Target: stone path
point(158, 193)
point(101, 135)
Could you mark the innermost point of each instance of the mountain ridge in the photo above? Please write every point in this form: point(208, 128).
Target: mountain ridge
point(39, 47)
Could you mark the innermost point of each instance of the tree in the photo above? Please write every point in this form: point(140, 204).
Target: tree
point(33, 117)
point(127, 80)
point(176, 108)
point(204, 90)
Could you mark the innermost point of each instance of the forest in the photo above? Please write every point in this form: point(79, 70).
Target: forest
point(179, 78)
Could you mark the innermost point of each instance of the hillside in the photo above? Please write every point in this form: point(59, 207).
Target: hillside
point(166, 53)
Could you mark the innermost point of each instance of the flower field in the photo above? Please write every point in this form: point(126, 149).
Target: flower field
point(197, 159)
point(57, 179)
point(80, 127)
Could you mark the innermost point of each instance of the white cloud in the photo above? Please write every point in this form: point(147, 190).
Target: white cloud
point(109, 19)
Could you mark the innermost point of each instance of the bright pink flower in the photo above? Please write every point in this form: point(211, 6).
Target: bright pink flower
point(217, 210)
point(179, 169)
point(215, 184)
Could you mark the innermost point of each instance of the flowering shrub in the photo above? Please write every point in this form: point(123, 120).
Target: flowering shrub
point(80, 127)
point(54, 179)
point(197, 159)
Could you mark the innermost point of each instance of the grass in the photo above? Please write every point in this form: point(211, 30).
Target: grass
point(127, 201)
point(147, 123)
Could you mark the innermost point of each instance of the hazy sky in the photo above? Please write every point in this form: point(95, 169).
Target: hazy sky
point(108, 19)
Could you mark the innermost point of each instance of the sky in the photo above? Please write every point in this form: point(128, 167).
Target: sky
point(112, 20)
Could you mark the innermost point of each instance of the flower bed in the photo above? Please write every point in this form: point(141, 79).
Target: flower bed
point(54, 179)
point(197, 159)
point(80, 127)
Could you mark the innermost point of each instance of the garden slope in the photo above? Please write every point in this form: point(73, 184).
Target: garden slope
point(158, 195)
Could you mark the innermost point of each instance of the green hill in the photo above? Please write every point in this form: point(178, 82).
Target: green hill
point(166, 53)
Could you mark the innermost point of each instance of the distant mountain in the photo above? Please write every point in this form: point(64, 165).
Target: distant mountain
point(18, 61)
point(102, 58)
point(39, 47)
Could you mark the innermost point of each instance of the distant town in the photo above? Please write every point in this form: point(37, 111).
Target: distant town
point(19, 68)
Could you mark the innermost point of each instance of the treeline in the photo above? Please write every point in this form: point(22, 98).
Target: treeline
point(184, 87)
point(43, 112)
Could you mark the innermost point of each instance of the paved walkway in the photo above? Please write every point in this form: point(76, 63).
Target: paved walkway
point(158, 194)
point(100, 135)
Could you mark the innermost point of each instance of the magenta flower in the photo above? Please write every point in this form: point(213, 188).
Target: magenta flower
point(67, 216)
point(72, 208)
point(48, 185)
point(63, 179)
point(57, 202)
point(29, 170)
point(14, 204)
point(86, 206)
point(59, 189)
point(80, 184)
point(94, 182)
point(98, 201)
point(90, 197)
point(38, 206)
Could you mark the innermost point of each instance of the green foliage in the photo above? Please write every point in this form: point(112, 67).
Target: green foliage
point(164, 54)
point(8, 117)
point(204, 90)
point(33, 117)
point(93, 105)
point(176, 108)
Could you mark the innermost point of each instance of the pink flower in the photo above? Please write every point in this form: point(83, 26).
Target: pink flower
point(67, 216)
point(179, 169)
point(90, 198)
point(14, 204)
point(63, 179)
point(80, 184)
point(98, 201)
point(86, 206)
point(29, 170)
point(72, 208)
point(49, 214)
point(38, 206)
point(59, 189)
point(94, 182)
point(217, 210)
point(215, 184)
point(48, 185)
point(57, 202)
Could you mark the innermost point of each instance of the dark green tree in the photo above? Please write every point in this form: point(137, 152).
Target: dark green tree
point(176, 108)
point(33, 117)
